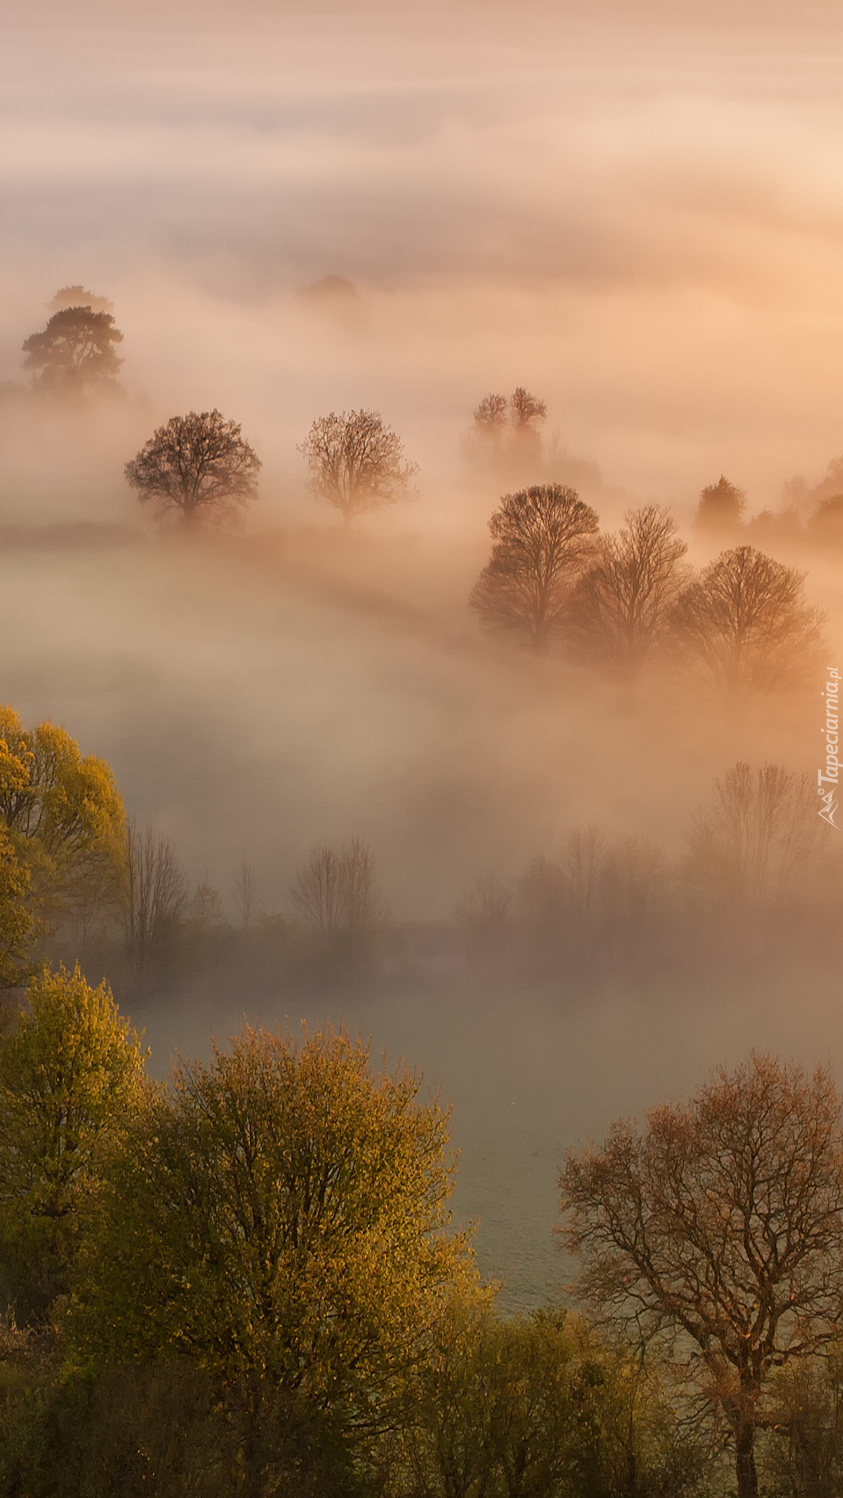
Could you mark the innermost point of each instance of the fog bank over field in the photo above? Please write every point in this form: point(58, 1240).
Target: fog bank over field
point(634, 211)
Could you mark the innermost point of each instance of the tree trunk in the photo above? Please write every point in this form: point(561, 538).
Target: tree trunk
point(745, 1461)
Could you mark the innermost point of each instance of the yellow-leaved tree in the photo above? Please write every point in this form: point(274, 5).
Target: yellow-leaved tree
point(71, 1074)
point(281, 1222)
point(63, 817)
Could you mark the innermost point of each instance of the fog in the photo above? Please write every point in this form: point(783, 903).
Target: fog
point(633, 213)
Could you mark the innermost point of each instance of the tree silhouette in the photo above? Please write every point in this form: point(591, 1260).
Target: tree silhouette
point(745, 849)
point(720, 508)
point(620, 608)
point(356, 462)
point(542, 539)
point(520, 412)
point(719, 1229)
point(744, 621)
point(525, 409)
point(76, 349)
point(198, 465)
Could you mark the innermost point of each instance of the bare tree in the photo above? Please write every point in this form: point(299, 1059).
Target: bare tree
point(362, 899)
point(620, 608)
point(319, 889)
point(543, 537)
point(356, 462)
point(491, 414)
point(197, 465)
point(745, 622)
point(721, 507)
point(75, 350)
point(245, 888)
point(526, 409)
point(747, 847)
point(584, 864)
point(154, 894)
point(520, 413)
point(336, 890)
point(720, 1229)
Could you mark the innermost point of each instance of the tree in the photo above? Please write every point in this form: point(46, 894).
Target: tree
point(17, 923)
point(75, 349)
point(71, 1068)
point(356, 462)
point(336, 890)
point(197, 465)
point(543, 537)
point(745, 623)
point(520, 413)
point(536, 1407)
point(281, 1222)
point(154, 895)
point(719, 1227)
point(61, 811)
point(744, 851)
point(245, 887)
point(620, 608)
point(720, 507)
point(491, 415)
point(526, 409)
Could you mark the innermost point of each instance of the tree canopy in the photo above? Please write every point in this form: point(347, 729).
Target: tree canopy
point(75, 349)
point(71, 1068)
point(620, 609)
point(61, 810)
point(283, 1216)
point(198, 466)
point(720, 1226)
point(721, 507)
point(357, 462)
point(543, 537)
point(745, 622)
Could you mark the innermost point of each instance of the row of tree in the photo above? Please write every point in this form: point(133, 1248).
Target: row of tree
point(200, 465)
point(248, 1283)
point(629, 597)
point(76, 878)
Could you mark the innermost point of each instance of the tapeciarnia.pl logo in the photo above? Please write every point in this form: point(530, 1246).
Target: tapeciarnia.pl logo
point(832, 764)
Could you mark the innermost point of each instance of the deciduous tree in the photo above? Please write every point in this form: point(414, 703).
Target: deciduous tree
point(620, 608)
point(76, 349)
point(745, 849)
point(542, 538)
point(745, 622)
point(336, 890)
point(198, 466)
point(281, 1221)
point(153, 895)
point(17, 923)
point(71, 1069)
point(720, 1228)
point(356, 462)
point(61, 811)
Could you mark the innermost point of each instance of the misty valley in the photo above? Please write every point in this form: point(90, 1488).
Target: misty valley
point(421, 862)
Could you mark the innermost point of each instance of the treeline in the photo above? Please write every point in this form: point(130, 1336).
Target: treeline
point(758, 879)
point(249, 1283)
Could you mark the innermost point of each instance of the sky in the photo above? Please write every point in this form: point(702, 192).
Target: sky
point(633, 209)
